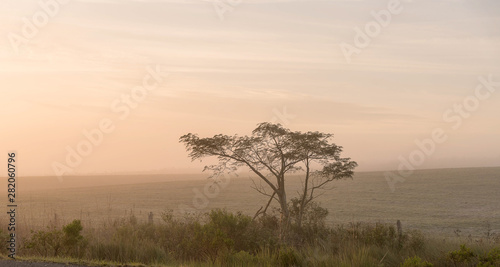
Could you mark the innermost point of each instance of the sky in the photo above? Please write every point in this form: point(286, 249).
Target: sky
point(77, 68)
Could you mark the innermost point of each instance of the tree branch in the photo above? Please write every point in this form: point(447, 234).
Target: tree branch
point(265, 209)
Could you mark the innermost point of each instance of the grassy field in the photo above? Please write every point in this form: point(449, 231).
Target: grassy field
point(434, 201)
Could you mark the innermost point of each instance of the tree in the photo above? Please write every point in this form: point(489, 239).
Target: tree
point(273, 152)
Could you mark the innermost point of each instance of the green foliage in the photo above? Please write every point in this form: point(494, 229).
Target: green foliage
point(491, 259)
point(247, 235)
point(72, 240)
point(233, 226)
point(463, 255)
point(45, 243)
point(54, 242)
point(416, 262)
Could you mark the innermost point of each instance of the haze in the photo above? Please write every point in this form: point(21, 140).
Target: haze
point(276, 61)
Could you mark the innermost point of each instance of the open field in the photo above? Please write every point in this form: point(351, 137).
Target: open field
point(434, 201)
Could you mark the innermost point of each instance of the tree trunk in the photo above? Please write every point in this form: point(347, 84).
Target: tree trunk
point(304, 195)
point(285, 214)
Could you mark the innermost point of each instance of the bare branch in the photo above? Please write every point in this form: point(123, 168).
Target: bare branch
point(265, 209)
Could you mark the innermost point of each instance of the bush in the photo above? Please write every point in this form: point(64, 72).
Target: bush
point(54, 242)
point(233, 226)
point(463, 255)
point(45, 243)
point(73, 241)
point(222, 234)
point(491, 259)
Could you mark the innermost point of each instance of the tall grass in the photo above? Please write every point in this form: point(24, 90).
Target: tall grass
point(221, 238)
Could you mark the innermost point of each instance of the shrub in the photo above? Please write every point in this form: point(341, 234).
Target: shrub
point(234, 227)
point(239, 231)
point(463, 255)
point(45, 243)
point(53, 241)
point(73, 241)
point(491, 259)
point(211, 242)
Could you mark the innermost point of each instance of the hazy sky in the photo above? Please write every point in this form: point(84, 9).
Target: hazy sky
point(267, 60)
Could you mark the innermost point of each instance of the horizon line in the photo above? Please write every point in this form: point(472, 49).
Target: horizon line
point(200, 173)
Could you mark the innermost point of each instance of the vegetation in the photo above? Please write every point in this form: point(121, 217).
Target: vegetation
point(221, 238)
point(54, 242)
point(466, 257)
